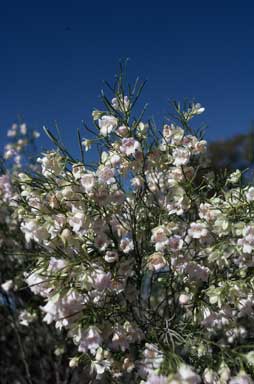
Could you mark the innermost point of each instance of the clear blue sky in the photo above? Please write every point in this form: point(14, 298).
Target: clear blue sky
point(55, 54)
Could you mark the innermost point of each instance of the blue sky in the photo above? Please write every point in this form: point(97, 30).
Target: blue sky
point(55, 54)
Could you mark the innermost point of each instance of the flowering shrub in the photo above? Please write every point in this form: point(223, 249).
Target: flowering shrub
point(31, 351)
point(146, 257)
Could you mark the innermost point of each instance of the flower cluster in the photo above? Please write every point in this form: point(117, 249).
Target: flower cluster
point(146, 258)
point(31, 351)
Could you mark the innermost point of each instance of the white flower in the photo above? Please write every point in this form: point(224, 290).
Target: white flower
point(250, 194)
point(36, 134)
point(11, 133)
point(159, 234)
point(7, 285)
point(155, 379)
point(173, 134)
point(242, 378)
point(23, 129)
point(208, 212)
point(157, 261)
point(247, 242)
point(137, 183)
point(188, 375)
point(129, 146)
point(34, 231)
point(113, 159)
point(25, 317)
point(37, 284)
point(122, 130)
point(74, 362)
point(184, 299)
point(210, 377)
point(111, 256)
point(88, 181)
point(107, 124)
point(87, 144)
point(234, 177)
point(63, 309)
point(101, 280)
point(106, 175)
point(121, 103)
point(197, 109)
point(126, 245)
point(197, 230)
point(78, 171)
point(56, 264)
point(52, 164)
point(90, 340)
point(181, 156)
point(119, 341)
point(175, 243)
point(200, 147)
point(77, 222)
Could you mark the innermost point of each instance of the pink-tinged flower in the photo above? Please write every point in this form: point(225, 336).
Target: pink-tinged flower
point(121, 103)
point(119, 341)
point(200, 147)
point(137, 183)
point(52, 164)
point(197, 271)
point(207, 212)
point(34, 231)
point(160, 238)
point(242, 378)
point(56, 264)
point(173, 134)
point(113, 160)
point(126, 245)
point(107, 124)
point(77, 222)
point(210, 376)
point(111, 256)
point(175, 243)
point(152, 359)
point(90, 340)
point(37, 284)
point(63, 309)
point(101, 280)
point(159, 234)
point(184, 299)
point(78, 171)
point(155, 379)
point(5, 188)
point(186, 373)
point(122, 131)
point(106, 175)
point(197, 230)
point(134, 334)
point(130, 146)
point(101, 241)
point(118, 197)
point(181, 156)
point(88, 182)
point(157, 261)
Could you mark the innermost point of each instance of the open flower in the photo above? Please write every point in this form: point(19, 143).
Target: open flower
point(107, 124)
point(129, 146)
point(197, 230)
